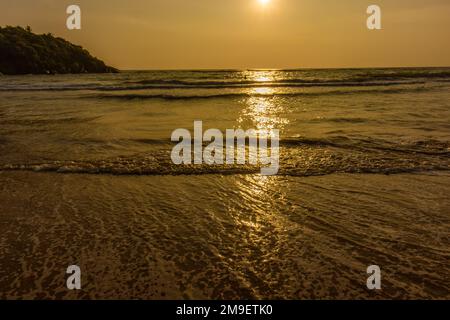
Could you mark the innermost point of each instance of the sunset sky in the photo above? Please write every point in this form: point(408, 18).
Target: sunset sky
point(212, 34)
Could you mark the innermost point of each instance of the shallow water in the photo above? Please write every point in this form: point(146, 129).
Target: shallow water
point(86, 178)
point(240, 236)
point(387, 120)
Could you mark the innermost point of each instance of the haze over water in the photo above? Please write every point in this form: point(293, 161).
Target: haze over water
point(86, 177)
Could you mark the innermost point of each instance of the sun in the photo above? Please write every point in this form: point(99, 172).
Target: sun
point(264, 2)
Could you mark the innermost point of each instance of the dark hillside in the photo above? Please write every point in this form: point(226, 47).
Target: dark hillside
point(23, 52)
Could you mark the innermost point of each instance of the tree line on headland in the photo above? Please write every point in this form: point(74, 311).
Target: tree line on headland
point(23, 52)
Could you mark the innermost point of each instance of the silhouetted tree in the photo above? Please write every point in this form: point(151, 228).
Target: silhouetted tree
point(23, 52)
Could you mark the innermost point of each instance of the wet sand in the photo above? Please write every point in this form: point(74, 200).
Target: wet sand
point(224, 237)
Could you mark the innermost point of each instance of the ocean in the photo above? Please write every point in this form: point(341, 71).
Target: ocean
point(86, 178)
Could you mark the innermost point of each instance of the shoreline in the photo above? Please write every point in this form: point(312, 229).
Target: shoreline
point(309, 240)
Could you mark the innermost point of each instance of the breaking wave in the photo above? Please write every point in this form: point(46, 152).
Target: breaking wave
point(298, 157)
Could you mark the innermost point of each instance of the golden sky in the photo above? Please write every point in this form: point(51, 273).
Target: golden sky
point(216, 34)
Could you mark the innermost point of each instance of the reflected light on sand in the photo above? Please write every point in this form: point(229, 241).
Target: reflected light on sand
point(258, 193)
point(257, 187)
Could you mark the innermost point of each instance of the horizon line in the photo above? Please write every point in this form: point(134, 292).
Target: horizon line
point(282, 69)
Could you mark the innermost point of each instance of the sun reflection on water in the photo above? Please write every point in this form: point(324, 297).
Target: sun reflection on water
point(261, 75)
point(263, 110)
point(263, 114)
point(262, 90)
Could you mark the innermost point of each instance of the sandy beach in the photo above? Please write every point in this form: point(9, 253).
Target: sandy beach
point(271, 238)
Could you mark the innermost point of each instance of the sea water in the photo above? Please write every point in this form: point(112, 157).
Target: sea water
point(86, 178)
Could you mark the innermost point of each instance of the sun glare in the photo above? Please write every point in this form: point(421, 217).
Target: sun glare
point(264, 2)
